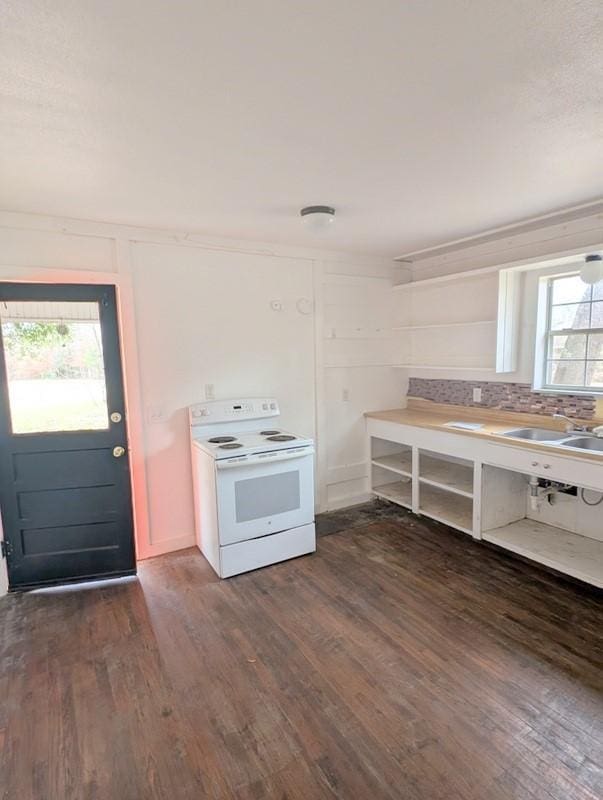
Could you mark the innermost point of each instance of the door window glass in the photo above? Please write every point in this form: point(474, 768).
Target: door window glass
point(54, 365)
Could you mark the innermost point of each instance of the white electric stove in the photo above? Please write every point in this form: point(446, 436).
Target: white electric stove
point(253, 485)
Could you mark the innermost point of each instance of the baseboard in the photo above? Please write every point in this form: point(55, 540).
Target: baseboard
point(351, 500)
point(167, 546)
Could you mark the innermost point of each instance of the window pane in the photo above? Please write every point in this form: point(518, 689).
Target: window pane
point(570, 290)
point(572, 346)
point(572, 316)
point(596, 320)
point(594, 373)
point(565, 373)
point(54, 365)
point(595, 345)
point(598, 291)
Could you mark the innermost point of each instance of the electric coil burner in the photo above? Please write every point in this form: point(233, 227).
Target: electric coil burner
point(253, 486)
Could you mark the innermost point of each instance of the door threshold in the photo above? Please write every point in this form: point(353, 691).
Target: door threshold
point(77, 584)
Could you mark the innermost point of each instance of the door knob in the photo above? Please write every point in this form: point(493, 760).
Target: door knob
point(119, 451)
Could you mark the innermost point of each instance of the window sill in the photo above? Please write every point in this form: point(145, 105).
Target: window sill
point(564, 390)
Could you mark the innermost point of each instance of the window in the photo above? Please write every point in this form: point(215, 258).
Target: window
point(54, 366)
point(573, 336)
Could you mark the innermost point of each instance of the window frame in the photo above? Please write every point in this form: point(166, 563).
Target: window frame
point(546, 337)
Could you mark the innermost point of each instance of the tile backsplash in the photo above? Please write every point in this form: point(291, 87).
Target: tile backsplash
point(505, 396)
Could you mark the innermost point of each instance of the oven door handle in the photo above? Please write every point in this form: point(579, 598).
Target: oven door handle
point(264, 458)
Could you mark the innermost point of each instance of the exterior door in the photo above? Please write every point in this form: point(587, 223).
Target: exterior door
point(65, 490)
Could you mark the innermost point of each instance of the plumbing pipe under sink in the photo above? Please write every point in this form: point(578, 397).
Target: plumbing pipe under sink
point(540, 491)
point(534, 494)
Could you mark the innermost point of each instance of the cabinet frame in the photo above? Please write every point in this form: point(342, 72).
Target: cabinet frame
point(479, 452)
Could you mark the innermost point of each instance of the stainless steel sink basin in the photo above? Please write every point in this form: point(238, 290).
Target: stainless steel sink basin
point(536, 435)
point(585, 443)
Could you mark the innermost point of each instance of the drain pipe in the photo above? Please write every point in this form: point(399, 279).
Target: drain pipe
point(538, 491)
point(534, 494)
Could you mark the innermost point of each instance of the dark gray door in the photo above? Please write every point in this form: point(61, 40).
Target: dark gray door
point(65, 491)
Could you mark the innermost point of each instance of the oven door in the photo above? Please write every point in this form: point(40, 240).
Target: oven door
point(264, 493)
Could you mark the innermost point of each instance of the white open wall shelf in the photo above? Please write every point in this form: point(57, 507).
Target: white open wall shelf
point(359, 366)
point(393, 333)
point(441, 331)
point(385, 334)
point(350, 334)
point(451, 276)
point(412, 366)
point(434, 325)
point(444, 366)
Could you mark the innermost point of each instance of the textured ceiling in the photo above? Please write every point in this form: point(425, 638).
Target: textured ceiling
point(419, 121)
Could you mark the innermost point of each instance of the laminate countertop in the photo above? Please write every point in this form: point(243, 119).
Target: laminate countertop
point(434, 416)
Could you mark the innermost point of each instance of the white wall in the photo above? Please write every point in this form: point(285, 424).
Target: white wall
point(205, 318)
point(202, 315)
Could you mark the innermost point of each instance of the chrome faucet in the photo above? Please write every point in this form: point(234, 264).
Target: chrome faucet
point(571, 426)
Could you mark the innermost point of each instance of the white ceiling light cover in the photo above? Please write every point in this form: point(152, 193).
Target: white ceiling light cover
point(318, 219)
point(592, 271)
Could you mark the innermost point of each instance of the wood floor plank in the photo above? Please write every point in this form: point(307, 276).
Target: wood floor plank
point(402, 660)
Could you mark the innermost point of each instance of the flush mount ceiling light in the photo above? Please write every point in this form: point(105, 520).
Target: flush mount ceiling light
point(318, 218)
point(592, 271)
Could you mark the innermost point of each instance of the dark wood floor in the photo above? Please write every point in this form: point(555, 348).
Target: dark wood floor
point(401, 661)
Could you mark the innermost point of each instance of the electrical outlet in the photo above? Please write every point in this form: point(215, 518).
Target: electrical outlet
point(477, 395)
point(210, 391)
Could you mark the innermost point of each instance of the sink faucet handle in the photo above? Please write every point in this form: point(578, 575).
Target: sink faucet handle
point(571, 425)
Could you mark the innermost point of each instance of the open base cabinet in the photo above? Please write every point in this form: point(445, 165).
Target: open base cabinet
point(563, 530)
point(555, 523)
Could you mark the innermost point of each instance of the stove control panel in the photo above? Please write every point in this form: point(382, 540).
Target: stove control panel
point(229, 410)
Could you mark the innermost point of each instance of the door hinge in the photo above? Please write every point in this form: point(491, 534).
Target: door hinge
point(6, 548)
